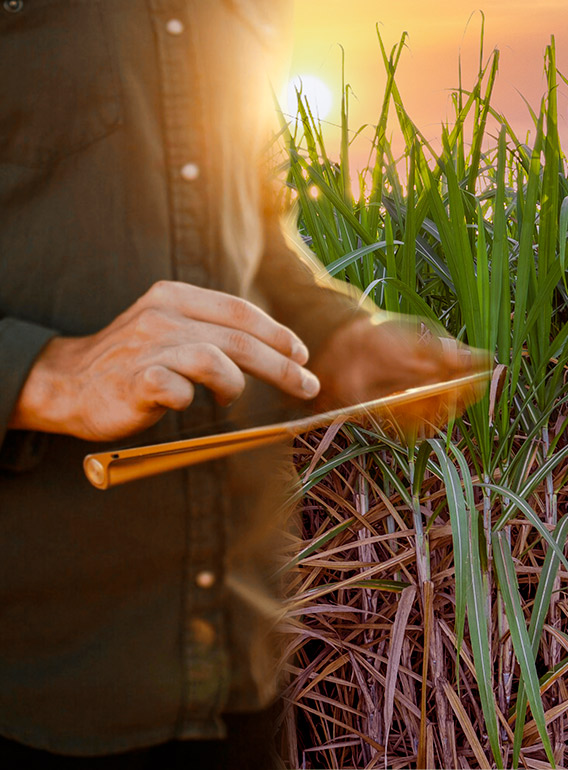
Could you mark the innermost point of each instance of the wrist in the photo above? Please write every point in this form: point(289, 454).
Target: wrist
point(47, 401)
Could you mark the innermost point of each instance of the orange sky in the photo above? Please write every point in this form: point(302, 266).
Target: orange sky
point(521, 29)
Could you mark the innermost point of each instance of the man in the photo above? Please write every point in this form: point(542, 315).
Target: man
point(139, 262)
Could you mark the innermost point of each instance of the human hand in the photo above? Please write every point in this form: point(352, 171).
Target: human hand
point(371, 357)
point(121, 380)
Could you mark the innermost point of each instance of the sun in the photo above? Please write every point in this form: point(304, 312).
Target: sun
point(312, 89)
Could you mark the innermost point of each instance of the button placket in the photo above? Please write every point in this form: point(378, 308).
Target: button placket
point(204, 660)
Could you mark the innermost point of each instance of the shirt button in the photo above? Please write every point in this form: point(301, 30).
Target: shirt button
point(174, 27)
point(190, 172)
point(13, 6)
point(205, 579)
point(202, 632)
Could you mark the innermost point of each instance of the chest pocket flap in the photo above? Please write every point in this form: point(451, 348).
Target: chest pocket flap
point(59, 88)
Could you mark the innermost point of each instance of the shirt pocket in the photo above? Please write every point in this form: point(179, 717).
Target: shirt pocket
point(59, 87)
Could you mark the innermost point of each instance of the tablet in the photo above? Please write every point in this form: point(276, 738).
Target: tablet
point(107, 469)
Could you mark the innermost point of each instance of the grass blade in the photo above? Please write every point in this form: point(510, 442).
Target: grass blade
point(509, 588)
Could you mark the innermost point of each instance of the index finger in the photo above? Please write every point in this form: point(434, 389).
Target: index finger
point(217, 307)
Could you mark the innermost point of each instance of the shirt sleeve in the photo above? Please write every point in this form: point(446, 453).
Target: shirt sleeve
point(300, 293)
point(20, 344)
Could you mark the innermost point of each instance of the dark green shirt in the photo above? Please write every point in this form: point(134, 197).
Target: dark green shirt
point(130, 135)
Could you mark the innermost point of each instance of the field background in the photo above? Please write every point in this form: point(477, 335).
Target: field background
point(437, 31)
point(427, 616)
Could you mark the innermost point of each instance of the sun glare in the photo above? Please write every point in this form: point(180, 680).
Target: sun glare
point(312, 89)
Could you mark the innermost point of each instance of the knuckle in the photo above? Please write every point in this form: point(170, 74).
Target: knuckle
point(155, 378)
point(148, 320)
point(283, 339)
point(240, 343)
point(206, 357)
point(288, 369)
point(161, 291)
point(240, 311)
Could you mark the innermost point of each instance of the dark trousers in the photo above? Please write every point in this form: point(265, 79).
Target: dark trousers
point(249, 746)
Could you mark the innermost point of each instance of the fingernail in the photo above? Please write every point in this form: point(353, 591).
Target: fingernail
point(310, 384)
point(300, 353)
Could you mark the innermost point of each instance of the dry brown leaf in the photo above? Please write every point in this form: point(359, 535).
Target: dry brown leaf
point(530, 733)
point(467, 727)
point(397, 635)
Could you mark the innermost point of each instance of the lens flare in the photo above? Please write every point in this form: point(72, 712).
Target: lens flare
point(313, 90)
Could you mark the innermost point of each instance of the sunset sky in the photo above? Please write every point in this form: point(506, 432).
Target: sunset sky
point(437, 30)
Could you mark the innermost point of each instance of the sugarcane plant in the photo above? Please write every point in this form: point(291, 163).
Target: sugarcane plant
point(427, 609)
